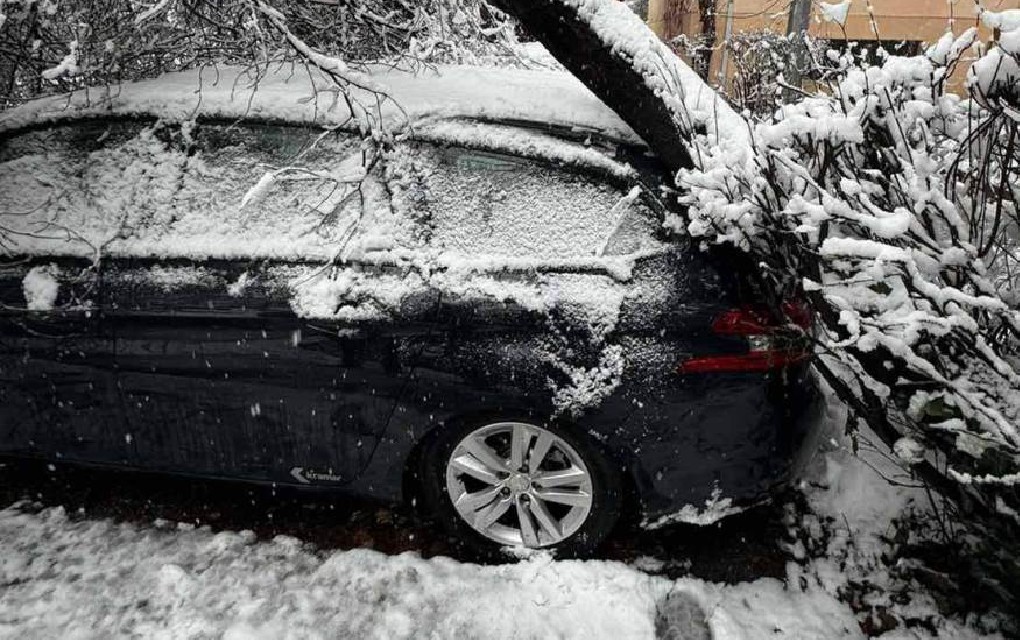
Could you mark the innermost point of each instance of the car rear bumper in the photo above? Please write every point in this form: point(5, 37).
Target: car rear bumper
point(709, 447)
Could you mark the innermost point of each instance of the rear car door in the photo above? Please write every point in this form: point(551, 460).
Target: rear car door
point(531, 248)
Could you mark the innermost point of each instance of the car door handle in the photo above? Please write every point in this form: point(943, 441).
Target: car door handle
point(349, 333)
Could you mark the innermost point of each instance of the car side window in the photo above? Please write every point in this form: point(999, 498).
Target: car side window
point(478, 203)
point(74, 189)
point(272, 191)
point(205, 190)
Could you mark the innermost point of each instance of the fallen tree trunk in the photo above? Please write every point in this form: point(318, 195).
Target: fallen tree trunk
point(930, 374)
point(610, 50)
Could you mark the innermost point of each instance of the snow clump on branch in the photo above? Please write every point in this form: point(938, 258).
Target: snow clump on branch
point(883, 202)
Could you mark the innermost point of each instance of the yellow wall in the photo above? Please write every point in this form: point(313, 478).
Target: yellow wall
point(923, 20)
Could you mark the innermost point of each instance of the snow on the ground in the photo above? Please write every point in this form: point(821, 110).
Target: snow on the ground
point(68, 578)
point(856, 496)
point(852, 487)
point(71, 577)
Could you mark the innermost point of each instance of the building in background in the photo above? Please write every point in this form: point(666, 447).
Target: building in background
point(904, 26)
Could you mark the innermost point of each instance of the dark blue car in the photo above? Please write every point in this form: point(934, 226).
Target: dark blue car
point(478, 310)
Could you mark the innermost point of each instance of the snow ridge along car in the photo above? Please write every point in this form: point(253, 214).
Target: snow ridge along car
point(479, 311)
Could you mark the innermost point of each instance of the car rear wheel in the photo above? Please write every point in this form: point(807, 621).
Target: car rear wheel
point(520, 484)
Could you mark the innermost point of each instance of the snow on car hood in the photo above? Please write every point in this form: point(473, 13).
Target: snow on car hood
point(288, 93)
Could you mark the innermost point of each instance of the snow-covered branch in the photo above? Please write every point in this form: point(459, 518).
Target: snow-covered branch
point(884, 203)
point(114, 41)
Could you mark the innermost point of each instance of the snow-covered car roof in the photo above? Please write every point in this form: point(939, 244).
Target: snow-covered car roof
point(292, 94)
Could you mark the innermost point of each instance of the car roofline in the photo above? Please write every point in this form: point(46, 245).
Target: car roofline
point(535, 97)
point(585, 142)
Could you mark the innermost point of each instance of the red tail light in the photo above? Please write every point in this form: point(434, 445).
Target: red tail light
point(772, 343)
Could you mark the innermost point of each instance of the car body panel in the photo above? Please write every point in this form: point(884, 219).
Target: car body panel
point(57, 386)
point(686, 441)
point(237, 385)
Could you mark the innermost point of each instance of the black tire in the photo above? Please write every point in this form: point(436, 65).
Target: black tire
point(607, 488)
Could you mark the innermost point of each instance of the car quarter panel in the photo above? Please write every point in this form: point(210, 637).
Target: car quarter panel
point(687, 442)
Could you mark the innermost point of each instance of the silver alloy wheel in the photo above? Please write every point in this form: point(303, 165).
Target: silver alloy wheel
point(519, 484)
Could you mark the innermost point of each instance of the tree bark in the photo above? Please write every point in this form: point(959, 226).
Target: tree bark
point(613, 78)
point(703, 58)
point(796, 28)
point(607, 73)
point(800, 14)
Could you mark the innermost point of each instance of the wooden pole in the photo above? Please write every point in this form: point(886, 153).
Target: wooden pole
point(796, 28)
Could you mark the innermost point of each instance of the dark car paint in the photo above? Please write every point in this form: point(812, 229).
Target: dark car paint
point(188, 379)
point(167, 381)
point(238, 385)
point(55, 373)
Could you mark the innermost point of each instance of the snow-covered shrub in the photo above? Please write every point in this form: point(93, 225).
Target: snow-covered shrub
point(763, 67)
point(885, 202)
